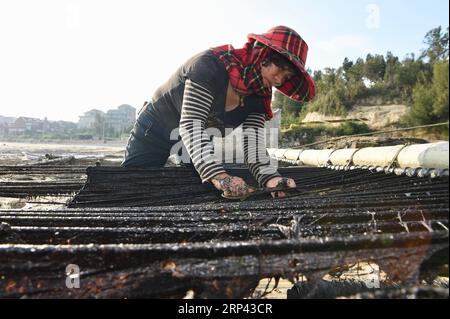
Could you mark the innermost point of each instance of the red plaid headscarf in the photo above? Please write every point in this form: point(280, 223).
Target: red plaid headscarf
point(244, 65)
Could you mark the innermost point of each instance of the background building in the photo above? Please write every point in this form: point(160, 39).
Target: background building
point(121, 119)
point(89, 119)
point(113, 123)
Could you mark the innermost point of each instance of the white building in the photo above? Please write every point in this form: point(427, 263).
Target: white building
point(120, 119)
point(88, 119)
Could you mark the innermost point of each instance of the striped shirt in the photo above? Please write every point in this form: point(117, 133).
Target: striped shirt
point(196, 107)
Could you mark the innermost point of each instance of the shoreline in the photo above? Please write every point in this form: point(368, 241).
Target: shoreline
point(96, 143)
point(28, 153)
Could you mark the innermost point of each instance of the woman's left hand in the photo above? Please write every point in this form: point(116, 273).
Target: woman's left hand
point(274, 182)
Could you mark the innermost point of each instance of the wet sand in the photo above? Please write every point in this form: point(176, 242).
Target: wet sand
point(15, 153)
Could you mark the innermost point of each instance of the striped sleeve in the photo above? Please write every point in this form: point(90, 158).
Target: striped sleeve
point(194, 112)
point(255, 151)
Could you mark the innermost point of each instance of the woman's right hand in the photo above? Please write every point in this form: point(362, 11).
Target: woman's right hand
point(231, 186)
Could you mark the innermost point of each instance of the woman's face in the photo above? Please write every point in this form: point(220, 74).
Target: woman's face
point(275, 76)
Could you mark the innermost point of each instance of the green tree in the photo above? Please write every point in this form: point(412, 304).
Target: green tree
point(292, 106)
point(410, 72)
point(278, 100)
point(375, 67)
point(392, 66)
point(356, 72)
point(431, 99)
point(440, 89)
point(317, 77)
point(437, 45)
point(346, 66)
point(421, 112)
point(286, 104)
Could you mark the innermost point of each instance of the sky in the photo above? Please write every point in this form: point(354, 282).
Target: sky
point(60, 58)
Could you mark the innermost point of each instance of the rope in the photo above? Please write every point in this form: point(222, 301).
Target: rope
point(394, 160)
point(329, 157)
point(350, 161)
point(371, 133)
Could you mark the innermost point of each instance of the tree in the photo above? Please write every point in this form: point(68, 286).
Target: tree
point(286, 104)
point(437, 45)
point(421, 112)
point(317, 76)
point(278, 100)
point(392, 66)
point(411, 72)
point(431, 99)
point(354, 72)
point(375, 67)
point(346, 66)
point(440, 89)
point(292, 106)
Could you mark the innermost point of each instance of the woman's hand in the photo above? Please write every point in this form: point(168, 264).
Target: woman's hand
point(231, 186)
point(275, 182)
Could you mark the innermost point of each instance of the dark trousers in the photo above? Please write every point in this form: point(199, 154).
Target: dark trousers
point(147, 145)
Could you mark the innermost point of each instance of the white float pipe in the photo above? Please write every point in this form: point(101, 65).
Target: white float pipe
point(431, 155)
point(315, 157)
point(376, 156)
point(292, 155)
point(342, 157)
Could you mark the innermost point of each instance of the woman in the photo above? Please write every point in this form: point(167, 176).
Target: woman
point(224, 87)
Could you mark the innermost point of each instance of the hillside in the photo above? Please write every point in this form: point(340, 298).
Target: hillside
point(376, 117)
point(361, 119)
